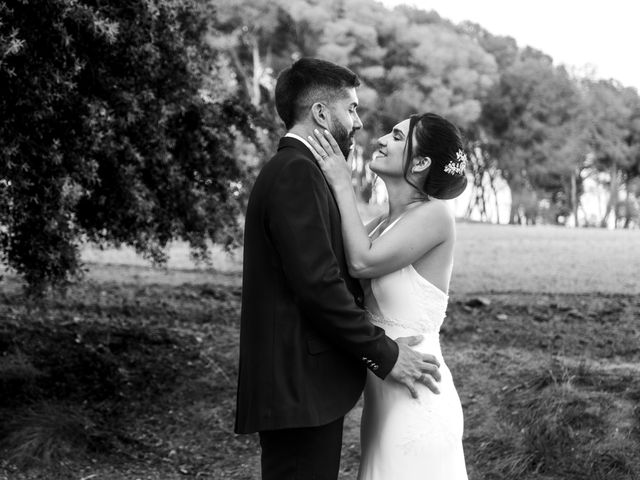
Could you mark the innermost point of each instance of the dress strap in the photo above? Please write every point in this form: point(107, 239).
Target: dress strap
point(376, 227)
point(386, 228)
point(391, 225)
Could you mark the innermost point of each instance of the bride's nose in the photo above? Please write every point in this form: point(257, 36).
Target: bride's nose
point(382, 142)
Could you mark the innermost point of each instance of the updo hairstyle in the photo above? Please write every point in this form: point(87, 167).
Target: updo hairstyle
point(441, 141)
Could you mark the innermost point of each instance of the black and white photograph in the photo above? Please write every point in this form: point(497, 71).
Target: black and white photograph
point(319, 240)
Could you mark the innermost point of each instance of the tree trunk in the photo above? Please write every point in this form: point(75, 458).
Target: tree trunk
point(477, 197)
point(574, 197)
point(514, 211)
point(244, 82)
point(257, 72)
point(627, 216)
point(516, 201)
point(492, 183)
point(481, 199)
point(613, 196)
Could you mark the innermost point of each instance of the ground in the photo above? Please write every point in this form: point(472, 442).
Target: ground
point(131, 374)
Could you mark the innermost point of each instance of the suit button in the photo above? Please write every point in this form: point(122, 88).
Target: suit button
point(359, 299)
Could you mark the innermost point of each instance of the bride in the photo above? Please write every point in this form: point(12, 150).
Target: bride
point(404, 260)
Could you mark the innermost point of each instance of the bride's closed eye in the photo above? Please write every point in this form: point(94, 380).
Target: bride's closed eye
point(397, 135)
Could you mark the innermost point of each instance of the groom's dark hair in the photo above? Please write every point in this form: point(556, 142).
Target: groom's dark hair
point(307, 81)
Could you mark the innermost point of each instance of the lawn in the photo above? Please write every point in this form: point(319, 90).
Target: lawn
point(546, 259)
point(489, 258)
point(132, 373)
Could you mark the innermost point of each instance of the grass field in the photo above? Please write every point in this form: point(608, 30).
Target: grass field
point(132, 373)
point(546, 259)
point(489, 258)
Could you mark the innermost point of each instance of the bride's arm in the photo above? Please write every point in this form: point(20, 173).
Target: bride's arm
point(421, 229)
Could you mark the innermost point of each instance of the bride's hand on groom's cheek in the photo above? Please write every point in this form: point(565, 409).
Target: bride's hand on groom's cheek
point(336, 170)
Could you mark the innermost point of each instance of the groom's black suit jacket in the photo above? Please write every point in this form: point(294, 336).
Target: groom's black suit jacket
point(305, 341)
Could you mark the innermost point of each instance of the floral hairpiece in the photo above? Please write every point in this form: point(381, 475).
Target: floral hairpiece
point(457, 166)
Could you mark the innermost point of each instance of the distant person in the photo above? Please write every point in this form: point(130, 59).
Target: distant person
point(305, 339)
point(405, 260)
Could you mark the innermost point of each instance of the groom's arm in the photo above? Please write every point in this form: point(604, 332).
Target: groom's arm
point(298, 221)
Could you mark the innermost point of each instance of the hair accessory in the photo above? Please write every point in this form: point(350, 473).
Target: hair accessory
point(457, 166)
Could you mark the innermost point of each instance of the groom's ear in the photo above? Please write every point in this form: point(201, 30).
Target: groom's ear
point(320, 114)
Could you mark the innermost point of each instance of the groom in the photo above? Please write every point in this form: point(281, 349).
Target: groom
point(305, 340)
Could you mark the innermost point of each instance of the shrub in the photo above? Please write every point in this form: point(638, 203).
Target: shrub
point(113, 131)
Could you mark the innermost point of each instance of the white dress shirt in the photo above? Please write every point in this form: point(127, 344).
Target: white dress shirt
point(298, 137)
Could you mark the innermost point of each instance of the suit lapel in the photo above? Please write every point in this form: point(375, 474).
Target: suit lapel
point(336, 233)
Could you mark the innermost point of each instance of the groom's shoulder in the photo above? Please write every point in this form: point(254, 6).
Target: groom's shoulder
point(289, 160)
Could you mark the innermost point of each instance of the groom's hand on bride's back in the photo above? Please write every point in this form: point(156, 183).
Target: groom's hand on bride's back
point(413, 367)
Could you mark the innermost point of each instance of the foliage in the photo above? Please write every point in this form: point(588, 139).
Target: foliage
point(528, 116)
point(112, 131)
point(526, 119)
point(612, 131)
point(141, 122)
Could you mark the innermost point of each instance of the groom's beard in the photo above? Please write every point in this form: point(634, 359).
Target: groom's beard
point(343, 137)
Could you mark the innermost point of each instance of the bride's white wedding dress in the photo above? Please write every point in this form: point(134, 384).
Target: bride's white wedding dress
point(403, 438)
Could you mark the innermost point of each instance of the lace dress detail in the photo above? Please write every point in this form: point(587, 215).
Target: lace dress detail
point(401, 437)
point(423, 315)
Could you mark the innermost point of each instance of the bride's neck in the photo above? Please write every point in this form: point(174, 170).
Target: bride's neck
point(401, 197)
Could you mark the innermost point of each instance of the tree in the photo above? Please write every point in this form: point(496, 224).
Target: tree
point(112, 131)
point(609, 122)
point(630, 205)
point(259, 37)
point(529, 116)
point(504, 49)
point(525, 119)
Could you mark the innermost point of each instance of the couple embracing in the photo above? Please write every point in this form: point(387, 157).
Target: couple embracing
point(332, 307)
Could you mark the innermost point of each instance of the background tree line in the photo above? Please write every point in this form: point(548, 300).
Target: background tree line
point(141, 121)
point(533, 124)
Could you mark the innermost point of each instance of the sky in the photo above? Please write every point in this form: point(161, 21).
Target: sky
point(593, 37)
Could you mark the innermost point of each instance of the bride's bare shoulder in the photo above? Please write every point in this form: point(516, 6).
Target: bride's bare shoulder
point(433, 211)
point(430, 216)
